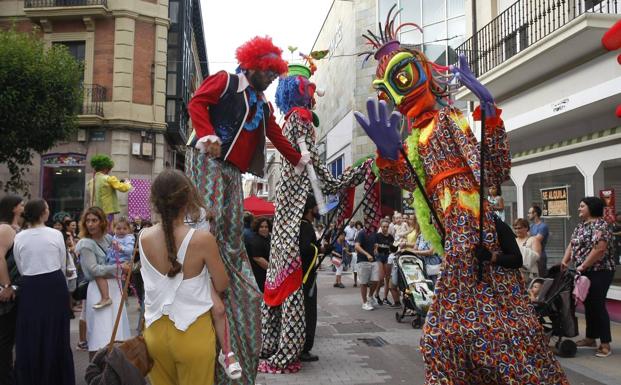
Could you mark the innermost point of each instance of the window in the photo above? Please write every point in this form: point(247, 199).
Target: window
point(336, 166)
point(171, 84)
point(77, 49)
point(171, 110)
point(173, 11)
point(443, 23)
point(433, 11)
point(383, 8)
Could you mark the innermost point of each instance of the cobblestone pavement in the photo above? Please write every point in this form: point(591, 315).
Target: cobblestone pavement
point(369, 347)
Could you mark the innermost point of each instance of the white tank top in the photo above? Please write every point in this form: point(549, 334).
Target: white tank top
point(182, 300)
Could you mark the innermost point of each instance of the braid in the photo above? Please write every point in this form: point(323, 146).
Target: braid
point(171, 193)
point(171, 248)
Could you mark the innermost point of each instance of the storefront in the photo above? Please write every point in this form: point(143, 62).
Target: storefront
point(585, 166)
point(63, 182)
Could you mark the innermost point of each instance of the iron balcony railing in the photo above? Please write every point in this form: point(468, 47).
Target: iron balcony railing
point(523, 24)
point(94, 97)
point(62, 3)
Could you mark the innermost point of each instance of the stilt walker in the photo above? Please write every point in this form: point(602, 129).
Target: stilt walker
point(231, 118)
point(286, 285)
point(481, 328)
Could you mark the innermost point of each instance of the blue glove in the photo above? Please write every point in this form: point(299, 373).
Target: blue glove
point(468, 80)
point(383, 131)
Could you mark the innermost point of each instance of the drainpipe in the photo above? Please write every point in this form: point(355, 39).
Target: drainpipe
point(475, 42)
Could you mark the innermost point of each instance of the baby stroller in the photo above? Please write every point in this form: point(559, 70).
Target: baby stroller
point(555, 307)
point(416, 288)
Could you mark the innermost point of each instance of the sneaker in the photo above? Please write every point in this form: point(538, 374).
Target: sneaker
point(396, 305)
point(102, 304)
point(335, 285)
point(82, 346)
point(367, 306)
point(379, 301)
point(341, 286)
point(387, 302)
point(371, 301)
point(355, 285)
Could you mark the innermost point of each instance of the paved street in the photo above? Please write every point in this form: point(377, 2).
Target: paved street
point(360, 347)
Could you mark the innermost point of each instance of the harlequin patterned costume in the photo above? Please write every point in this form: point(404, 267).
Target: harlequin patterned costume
point(228, 110)
point(481, 332)
point(283, 323)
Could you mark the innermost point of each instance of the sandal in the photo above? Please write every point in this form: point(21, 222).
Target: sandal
point(232, 370)
point(603, 352)
point(586, 343)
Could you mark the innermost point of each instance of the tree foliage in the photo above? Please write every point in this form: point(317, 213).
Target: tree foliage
point(40, 97)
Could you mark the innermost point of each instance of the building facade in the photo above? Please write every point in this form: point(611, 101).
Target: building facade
point(124, 47)
point(347, 80)
point(558, 89)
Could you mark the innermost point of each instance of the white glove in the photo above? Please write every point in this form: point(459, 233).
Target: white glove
point(304, 160)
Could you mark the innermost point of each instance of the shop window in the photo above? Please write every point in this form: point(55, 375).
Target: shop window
point(63, 183)
point(561, 228)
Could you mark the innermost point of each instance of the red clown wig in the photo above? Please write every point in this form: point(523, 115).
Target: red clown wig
point(260, 53)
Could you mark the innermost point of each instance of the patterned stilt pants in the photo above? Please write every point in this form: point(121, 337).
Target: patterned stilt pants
point(283, 330)
point(220, 185)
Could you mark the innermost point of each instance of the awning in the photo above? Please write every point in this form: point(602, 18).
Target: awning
point(258, 206)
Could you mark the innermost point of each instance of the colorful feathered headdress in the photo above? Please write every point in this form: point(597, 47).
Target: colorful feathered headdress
point(260, 53)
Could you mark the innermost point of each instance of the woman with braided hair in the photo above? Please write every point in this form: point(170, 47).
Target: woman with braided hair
point(182, 273)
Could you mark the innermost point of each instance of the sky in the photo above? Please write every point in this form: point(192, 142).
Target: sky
point(230, 23)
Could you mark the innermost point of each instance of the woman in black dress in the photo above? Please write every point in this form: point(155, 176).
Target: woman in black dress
point(42, 345)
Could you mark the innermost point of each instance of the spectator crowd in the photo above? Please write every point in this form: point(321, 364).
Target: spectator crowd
point(57, 267)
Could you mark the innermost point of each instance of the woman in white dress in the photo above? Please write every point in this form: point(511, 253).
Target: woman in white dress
point(92, 249)
point(530, 248)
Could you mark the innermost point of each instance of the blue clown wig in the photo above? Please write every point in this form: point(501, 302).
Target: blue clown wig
point(291, 92)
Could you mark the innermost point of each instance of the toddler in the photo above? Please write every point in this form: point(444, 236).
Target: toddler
point(226, 357)
point(121, 251)
point(533, 291)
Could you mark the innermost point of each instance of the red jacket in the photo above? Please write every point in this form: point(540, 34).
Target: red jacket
point(244, 149)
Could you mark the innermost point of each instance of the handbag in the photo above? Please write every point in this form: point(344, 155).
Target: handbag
point(336, 261)
point(79, 294)
point(134, 349)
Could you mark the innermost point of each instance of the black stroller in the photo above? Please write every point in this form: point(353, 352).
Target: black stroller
point(416, 289)
point(556, 309)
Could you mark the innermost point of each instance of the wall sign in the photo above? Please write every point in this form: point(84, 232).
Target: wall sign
point(555, 202)
point(97, 136)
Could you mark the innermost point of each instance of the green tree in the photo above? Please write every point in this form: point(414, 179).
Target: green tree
point(40, 96)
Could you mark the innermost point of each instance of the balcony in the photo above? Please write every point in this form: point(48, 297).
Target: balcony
point(91, 111)
point(534, 39)
point(65, 8)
